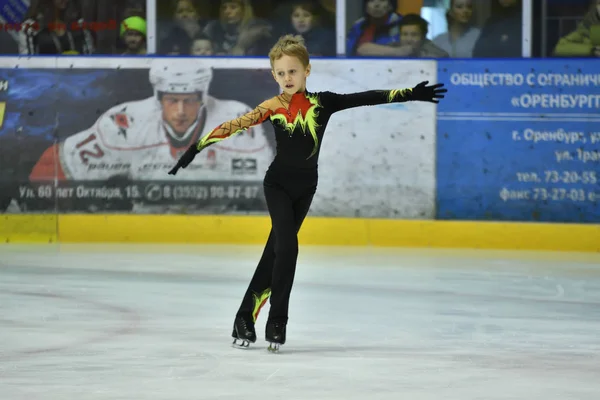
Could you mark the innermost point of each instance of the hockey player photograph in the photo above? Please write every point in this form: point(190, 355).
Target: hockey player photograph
point(119, 161)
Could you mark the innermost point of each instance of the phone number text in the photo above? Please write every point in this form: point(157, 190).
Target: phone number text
point(155, 192)
point(550, 194)
point(585, 177)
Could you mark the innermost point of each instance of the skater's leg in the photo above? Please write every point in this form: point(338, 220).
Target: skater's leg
point(259, 288)
point(280, 208)
point(286, 250)
point(282, 217)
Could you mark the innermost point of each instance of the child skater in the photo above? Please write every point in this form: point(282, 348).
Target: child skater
point(299, 118)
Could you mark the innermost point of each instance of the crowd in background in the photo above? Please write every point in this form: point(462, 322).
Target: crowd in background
point(251, 27)
point(243, 27)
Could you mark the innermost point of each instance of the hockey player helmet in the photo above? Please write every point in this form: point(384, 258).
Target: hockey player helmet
point(179, 76)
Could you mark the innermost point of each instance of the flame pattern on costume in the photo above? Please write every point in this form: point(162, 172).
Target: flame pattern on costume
point(234, 127)
point(306, 115)
point(304, 107)
point(395, 92)
point(260, 300)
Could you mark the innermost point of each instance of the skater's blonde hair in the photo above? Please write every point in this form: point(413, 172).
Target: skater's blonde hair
point(290, 45)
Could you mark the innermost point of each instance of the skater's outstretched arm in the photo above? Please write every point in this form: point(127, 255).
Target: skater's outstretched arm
point(227, 129)
point(421, 92)
point(235, 126)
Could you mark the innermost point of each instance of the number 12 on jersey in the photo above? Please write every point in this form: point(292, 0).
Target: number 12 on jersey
point(86, 154)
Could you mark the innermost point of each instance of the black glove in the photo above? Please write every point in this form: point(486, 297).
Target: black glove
point(185, 159)
point(421, 92)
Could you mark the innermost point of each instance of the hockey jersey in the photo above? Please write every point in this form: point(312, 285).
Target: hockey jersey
point(131, 140)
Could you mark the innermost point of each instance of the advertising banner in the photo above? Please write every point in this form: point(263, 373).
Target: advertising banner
point(519, 140)
point(377, 161)
point(103, 139)
point(100, 134)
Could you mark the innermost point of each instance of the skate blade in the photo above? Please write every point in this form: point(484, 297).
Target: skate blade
point(242, 344)
point(273, 347)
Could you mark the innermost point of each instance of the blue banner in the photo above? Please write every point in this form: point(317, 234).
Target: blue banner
point(519, 140)
point(13, 11)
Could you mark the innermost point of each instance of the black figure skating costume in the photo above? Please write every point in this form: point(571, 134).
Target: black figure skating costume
point(289, 186)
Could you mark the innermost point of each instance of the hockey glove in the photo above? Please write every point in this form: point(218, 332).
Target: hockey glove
point(185, 159)
point(421, 92)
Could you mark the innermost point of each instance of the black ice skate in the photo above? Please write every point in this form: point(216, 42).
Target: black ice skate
point(275, 335)
point(243, 330)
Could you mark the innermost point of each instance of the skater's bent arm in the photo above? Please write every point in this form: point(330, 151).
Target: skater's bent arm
point(255, 117)
point(340, 102)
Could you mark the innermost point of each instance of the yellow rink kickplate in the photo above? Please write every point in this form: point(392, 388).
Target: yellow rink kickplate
point(36, 228)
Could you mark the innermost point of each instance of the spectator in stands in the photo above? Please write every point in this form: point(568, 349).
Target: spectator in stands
point(237, 32)
point(201, 46)
point(580, 43)
point(133, 32)
point(461, 37)
point(185, 24)
point(501, 35)
point(372, 34)
point(55, 27)
point(108, 41)
point(413, 39)
point(175, 46)
point(328, 18)
point(305, 21)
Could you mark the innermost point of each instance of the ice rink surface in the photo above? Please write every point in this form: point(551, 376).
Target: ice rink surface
point(154, 322)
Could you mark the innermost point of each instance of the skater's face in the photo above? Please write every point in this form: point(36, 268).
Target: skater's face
point(290, 74)
point(180, 110)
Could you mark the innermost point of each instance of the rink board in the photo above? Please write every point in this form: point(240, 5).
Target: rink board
point(28, 228)
point(175, 229)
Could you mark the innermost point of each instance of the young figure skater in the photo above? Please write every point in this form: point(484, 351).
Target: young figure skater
point(299, 118)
